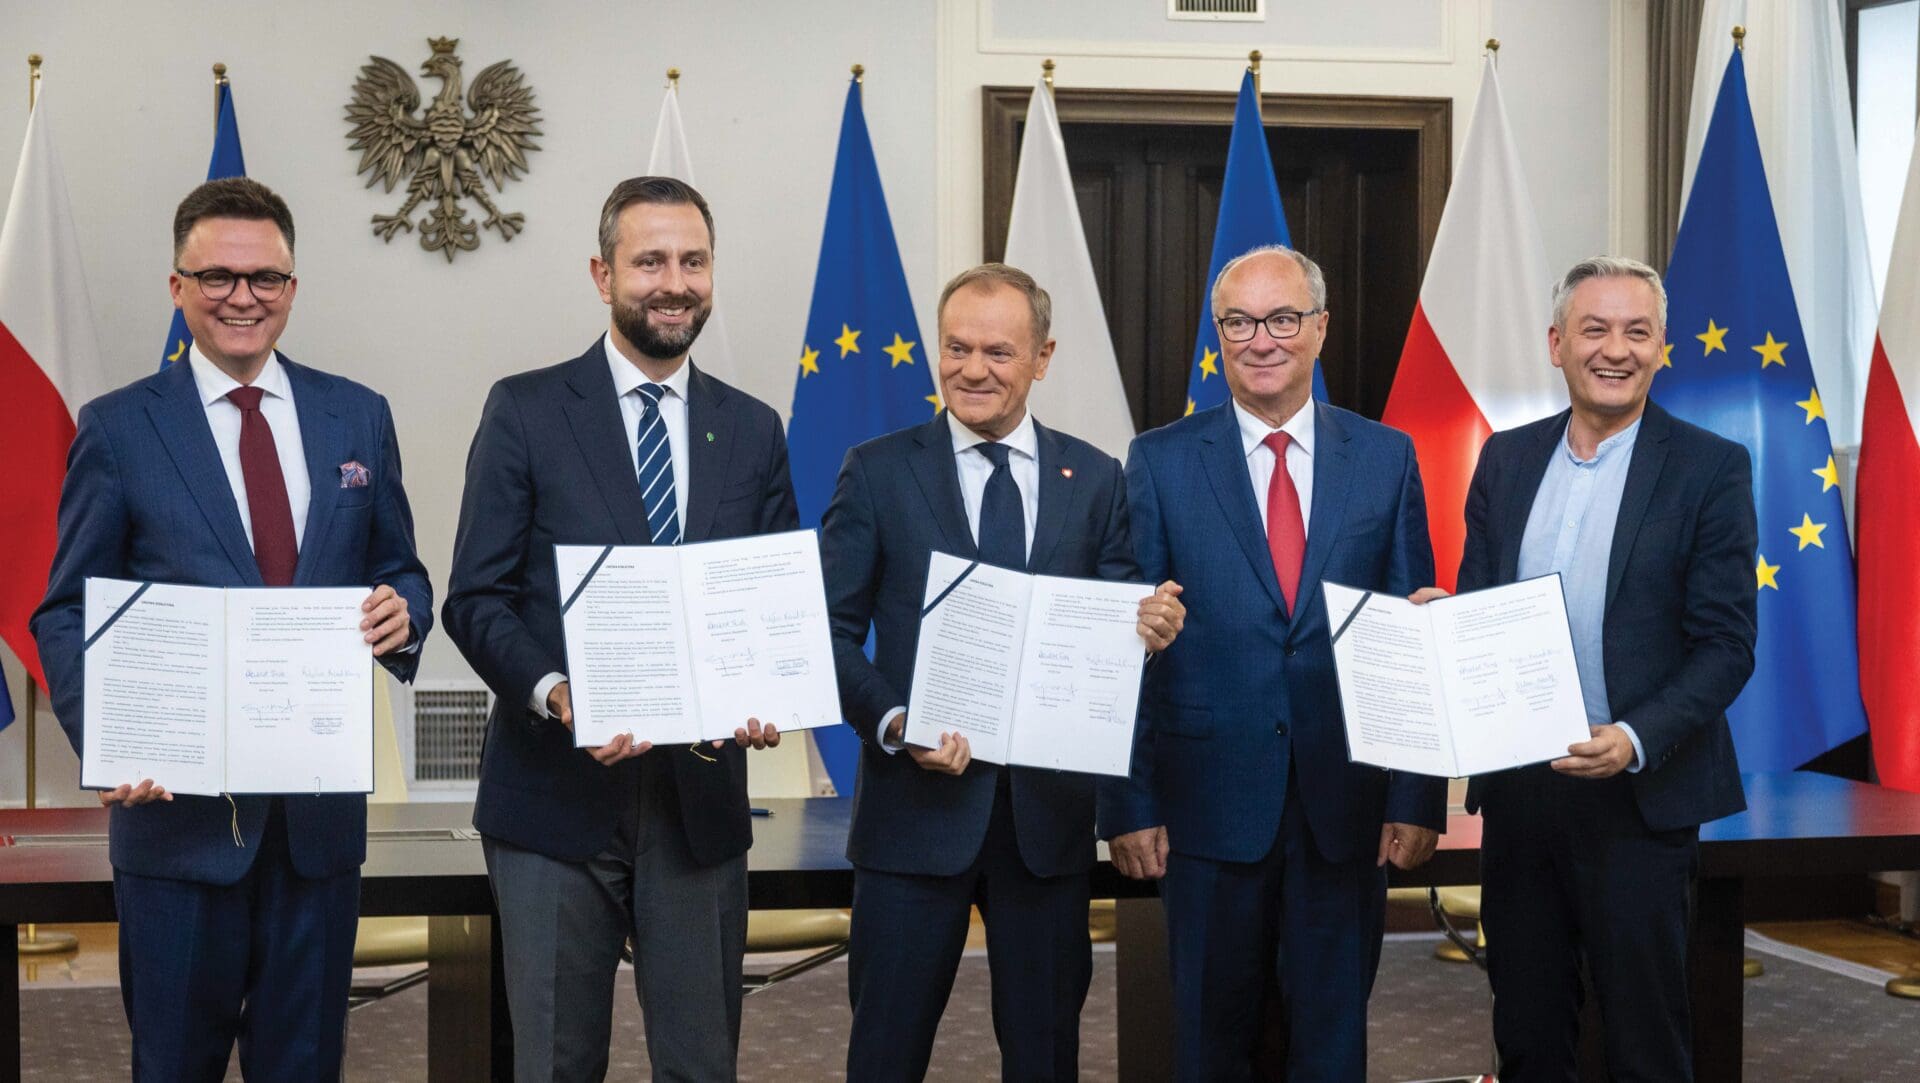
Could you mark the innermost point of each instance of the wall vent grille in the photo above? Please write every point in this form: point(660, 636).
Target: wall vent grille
point(1246, 11)
point(449, 728)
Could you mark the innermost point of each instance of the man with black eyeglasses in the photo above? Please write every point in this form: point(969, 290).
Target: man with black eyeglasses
point(235, 467)
point(1270, 847)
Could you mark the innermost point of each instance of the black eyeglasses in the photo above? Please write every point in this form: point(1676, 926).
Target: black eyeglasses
point(1279, 325)
point(216, 283)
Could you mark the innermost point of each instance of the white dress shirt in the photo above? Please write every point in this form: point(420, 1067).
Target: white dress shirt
point(627, 379)
point(276, 405)
point(1253, 435)
point(974, 470)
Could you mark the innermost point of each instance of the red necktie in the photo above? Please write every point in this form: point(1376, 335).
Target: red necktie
point(274, 548)
point(1286, 534)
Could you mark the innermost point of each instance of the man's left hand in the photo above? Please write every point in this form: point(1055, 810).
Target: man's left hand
point(1161, 616)
point(754, 735)
point(385, 624)
point(1408, 846)
point(1605, 755)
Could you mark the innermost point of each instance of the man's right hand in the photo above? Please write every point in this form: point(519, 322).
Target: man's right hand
point(1140, 855)
point(622, 747)
point(130, 796)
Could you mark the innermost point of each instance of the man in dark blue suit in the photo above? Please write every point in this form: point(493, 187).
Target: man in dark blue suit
point(236, 468)
point(1649, 521)
point(1269, 844)
point(587, 849)
point(934, 832)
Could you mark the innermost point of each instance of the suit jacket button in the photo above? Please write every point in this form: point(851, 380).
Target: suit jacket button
point(1281, 729)
point(1291, 651)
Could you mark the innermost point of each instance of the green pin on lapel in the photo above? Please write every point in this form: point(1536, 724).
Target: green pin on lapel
point(709, 438)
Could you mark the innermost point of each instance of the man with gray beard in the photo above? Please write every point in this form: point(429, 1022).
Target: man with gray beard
point(627, 444)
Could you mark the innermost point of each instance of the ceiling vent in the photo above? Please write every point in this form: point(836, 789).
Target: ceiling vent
point(1240, 11)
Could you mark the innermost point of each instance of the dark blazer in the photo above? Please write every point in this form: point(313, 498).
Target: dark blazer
point(898, 500)
point(146, 498)
point(549, 465)
point(1681, 612)
point(1248, 691)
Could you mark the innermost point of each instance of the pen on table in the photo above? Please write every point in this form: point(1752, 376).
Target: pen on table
point(761, 811)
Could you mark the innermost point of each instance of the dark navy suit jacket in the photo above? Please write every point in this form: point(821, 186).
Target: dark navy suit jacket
point(146, 498)
point(1681, 612)
point(549, 465)
point(898, 500)
point(1247, 690)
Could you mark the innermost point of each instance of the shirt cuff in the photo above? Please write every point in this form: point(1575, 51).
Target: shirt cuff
point(1639, 753)
point(880, 735)
point(544, 689)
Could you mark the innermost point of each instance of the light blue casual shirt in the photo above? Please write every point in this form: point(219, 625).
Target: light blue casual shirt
point(1570, 531)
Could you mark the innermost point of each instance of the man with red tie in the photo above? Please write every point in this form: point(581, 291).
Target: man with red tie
point(235, 467)
point(1269, 845)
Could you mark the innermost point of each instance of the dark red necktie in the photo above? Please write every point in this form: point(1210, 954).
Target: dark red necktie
point(1286, 533)
point(274, 548)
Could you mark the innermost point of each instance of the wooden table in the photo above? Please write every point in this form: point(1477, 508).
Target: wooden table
point(425, 859)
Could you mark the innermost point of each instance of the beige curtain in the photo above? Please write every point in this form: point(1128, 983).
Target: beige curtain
point(1673, 39)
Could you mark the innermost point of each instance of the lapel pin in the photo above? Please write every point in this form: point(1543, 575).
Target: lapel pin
point(709, 438)
point(1066, 472)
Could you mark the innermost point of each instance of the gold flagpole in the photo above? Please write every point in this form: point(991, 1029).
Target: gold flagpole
point(1046, 73)
point(219, 80)
point(673, 80)
point(1493, 46)
point(1253, 65)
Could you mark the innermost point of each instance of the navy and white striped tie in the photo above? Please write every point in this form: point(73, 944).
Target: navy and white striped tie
point(656, 469)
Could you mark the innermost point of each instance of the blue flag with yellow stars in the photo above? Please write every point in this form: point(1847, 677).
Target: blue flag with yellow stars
point(1250, 216)
point(227, 161)
point(863, 369)
point(1736, 363)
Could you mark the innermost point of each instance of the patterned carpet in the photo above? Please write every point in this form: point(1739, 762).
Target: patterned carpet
point(1429, 1019)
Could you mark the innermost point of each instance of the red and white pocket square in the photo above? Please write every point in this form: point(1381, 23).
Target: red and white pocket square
point(354, 476)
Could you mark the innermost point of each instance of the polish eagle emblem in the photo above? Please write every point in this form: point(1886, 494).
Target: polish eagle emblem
point(443, 154)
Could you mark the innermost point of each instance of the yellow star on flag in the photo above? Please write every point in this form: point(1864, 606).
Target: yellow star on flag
point(809, 361)
point(935, 399)
point(1829, 475)
point(901, 352)
point(1715, 339)
point(1207, 366)
point(1808, 531)
point(849, 340)
point(1765, 572)
point(1770, 351)
point(1189, 408)
point(1666, 356)
point(1811, 404)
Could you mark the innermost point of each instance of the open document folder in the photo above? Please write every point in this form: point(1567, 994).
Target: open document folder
point(682, 643)
point(210, 690)
point(1464, 685)
point(1035, 670)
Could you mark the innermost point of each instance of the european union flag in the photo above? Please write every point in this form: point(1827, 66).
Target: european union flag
point(1739, 367)
point(227, 161)
point(1250, 216)
point(863, 370)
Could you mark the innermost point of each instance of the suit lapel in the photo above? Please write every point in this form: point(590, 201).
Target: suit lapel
point(1056, 494)
point(1225, 461)
point(1332, 480)
point(710, 451)
point(594, 417)
point(1643, 474)
point(939, 479)
point(181, 420)
point(1515, 506)
point(323, 440)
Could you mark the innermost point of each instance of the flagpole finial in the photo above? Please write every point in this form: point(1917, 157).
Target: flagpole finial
point(1493, 45)
point(219, 74)
point(1739, 39)
point(1253, 65)
point(859, 73)
point(1046, 72)
point(33, 80)
point(673, 79)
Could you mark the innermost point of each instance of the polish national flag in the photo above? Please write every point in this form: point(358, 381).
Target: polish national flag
point(49, 367)
point(1887, 515)
point(1476, 354)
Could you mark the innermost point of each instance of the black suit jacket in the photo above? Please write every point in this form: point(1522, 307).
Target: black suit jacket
point(898, 500)
point(1680, 609)
point(549, 465)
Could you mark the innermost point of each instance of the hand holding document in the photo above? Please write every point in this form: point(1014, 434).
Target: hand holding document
point(1034, 670)
point(208, 690)
point(1464, 685)
point(684, 643)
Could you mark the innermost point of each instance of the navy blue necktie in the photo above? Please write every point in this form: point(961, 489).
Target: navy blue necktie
point(1003, 519)
point(656, 469)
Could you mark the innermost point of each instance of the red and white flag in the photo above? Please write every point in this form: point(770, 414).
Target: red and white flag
point(49, 367)
point(1476, 355)
point(1887, 514)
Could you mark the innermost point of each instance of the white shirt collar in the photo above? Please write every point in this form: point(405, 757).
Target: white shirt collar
point(627, 375)
point(1022, 439)
point(213, 383)
point(1253, 431)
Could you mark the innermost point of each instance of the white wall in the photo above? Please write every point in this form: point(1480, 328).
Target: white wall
point(761, 93)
